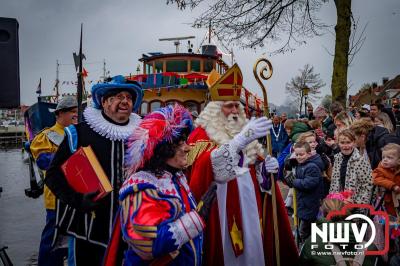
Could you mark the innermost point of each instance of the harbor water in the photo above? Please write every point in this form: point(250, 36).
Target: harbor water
point(21, 218)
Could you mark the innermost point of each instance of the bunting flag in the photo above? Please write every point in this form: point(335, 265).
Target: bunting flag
point(84, 73)
point(39, 87)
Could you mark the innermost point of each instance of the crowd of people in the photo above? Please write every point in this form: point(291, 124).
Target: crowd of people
point(353, 152)
point(198, 191)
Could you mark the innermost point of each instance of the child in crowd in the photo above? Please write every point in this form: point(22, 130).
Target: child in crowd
point(387, 175)
point(351, 171)
point(324, 162)
point(383, 120)
point(309, 187)
point(317, 127)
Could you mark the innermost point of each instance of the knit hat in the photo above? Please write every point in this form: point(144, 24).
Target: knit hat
point(320, 111)
point(163, 125)
point(297, 129)
point(115, 86)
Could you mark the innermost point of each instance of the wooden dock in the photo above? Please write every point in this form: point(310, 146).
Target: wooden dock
point(11, 137)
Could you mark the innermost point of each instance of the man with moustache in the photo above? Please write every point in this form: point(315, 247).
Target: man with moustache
point(225, 150)
point(105, 127)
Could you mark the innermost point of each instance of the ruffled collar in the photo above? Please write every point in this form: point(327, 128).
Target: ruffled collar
point(109, 130)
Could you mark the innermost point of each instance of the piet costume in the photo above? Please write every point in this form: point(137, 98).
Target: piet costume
point(92, 229)
point(158, 219)
point(236, 233)
point(43, 148)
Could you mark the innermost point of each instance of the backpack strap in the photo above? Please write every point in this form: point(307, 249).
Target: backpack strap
point(72, 136)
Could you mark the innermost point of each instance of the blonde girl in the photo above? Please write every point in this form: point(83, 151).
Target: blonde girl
point(351, 171)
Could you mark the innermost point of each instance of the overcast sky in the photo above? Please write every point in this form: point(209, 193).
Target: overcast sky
point(119, 31)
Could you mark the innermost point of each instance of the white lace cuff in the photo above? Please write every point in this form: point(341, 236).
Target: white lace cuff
point(186, 227)
point(225, 162)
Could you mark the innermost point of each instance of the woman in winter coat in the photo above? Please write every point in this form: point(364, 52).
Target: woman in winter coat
point(351, 171)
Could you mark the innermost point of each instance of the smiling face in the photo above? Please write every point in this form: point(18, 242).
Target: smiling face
point(301, 154)
point(118, 107)
point(346, 145)
point(67, 117)
point(179, 160)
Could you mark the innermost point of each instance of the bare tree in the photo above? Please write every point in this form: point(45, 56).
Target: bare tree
point(306, 79)
point(251, 23)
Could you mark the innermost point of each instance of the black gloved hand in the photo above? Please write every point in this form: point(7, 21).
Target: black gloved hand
point(88, 204)
point(289, 178)
point(204, 206)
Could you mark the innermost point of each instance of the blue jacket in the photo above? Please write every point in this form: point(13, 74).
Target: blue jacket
point(279, 143)
point(309, 187)
point(281, 160)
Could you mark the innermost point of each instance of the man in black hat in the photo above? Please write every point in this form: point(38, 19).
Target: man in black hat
point(105, 127)
point(43, 148)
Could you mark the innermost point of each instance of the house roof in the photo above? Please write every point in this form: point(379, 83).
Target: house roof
point(393, 84)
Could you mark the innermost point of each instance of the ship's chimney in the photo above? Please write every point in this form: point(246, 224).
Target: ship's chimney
point(385, 80)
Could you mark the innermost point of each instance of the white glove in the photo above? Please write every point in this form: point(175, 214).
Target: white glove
point(255, 128)
point(271, 164)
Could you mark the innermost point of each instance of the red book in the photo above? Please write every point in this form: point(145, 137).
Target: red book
point(85, 174)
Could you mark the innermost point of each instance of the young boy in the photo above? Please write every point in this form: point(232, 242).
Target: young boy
point(309, 187)
point(387, 175)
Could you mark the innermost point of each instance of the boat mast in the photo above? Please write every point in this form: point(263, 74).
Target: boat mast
point(209, 32)
point(80, 80)
point(57, 79)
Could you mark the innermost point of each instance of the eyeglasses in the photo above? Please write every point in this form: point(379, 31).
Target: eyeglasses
point(121, 96)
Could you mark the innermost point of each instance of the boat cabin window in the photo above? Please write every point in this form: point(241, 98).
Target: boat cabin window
point(159, 66)
point(149, 69)
point(143, 108)
point(177, 66)
point(155, 105)
point(208, 65)
point(195, 65)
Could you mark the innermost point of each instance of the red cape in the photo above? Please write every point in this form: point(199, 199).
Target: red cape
point(200, 176)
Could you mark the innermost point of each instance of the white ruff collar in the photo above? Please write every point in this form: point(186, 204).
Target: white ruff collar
point(109, 130)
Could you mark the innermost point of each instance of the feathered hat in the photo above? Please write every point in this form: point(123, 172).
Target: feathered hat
point(116, 85)
point(163, 125)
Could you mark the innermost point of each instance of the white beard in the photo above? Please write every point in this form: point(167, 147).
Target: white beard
point(221, 129)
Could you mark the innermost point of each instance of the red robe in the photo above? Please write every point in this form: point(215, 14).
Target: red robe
point(201, 175)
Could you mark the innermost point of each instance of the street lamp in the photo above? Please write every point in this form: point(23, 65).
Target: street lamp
point(305, 91)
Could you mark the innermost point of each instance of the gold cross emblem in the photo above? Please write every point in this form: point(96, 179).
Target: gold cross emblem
point(235, 87)
point(79, 173)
